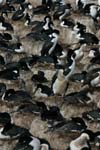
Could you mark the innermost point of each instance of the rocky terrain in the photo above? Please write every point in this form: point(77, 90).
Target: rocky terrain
point(31, 121)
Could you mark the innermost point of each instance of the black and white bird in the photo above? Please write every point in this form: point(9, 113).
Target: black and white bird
point(43, 91)
point(19, 14)
point(92, 78)
point(28, 142)
point(97, 139)
point(80, 4)
point(94, 52)
point(67, 23)
point(10, 74)
point(91, 9)
point(80, 143)
point(87, 38)
point(12, 95)
point(49, 45)
point(95, 60)
point(84, 96)
point(79, 27)
point(39, 77)
point(16, 48)
point(5, 118)
point(78, 77)
point(9, 130)
point(45, 27)
point(16, 1)
point(2, 89)
point(26, 62)
point(60, 79)
point(44, 8)
point(5, 26)
point(41, 29)
point(59, 83)
point(48, 3)
point(2, 2)
point(2, 61)
point(28, 108)
point(93, 115)
point(76, 125)
point(52, 115)
point(62, 11)
point(6, 37)
point(5, 9)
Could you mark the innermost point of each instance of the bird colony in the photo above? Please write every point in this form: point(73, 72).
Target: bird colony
point(49, 75)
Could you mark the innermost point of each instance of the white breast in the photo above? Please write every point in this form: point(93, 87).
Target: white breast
point(35, 143)
point(1, 27)
point(95, 81)
point(59, 86)
point(3, 136)
point(93, 11)
point(21, 49)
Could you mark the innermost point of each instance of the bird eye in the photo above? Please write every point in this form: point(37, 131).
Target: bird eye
point(15, 71)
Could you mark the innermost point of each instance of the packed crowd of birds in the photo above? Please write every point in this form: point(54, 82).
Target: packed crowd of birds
point(62, 58)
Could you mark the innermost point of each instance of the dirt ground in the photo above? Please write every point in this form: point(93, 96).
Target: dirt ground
point(31, 121)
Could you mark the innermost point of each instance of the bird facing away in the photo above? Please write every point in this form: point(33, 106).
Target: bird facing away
point(80, 143)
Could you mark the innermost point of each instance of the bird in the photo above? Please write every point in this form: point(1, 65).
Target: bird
point(2, 89)
point(6, 37)
point(12, 95)
point(97, 139)
point(28, 142)
point(93, 115)
point(52, 115)
point(9, 130)
point(6, 8)
point(49, 45)
point(39, 24)
point(28, 108)
point(95, 60)
point(45, 146)
point(59, 84)
point(39, 78)
point(2, 2)
point(94, 52)
point(80, 143)
point(5, 118)
point(16, 48)
point(61, 77)
point(19, 14)
point(43, 91)
point(87, 38)
point(80, 4)
point(16, 1)
point(62, 11)
point(91, 9)
point(84, 96)
point(48, 3)
point(42, 9)
point(40, 29)
point(5, 26)
point(76, 125)
point(79, 27)
point(92, 78)
point(67, 23)
point(26, 62)
point(2, 61)
point(9, 74)
point(78, 77)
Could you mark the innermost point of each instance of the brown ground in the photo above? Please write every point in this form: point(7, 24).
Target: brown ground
point(33, 122)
